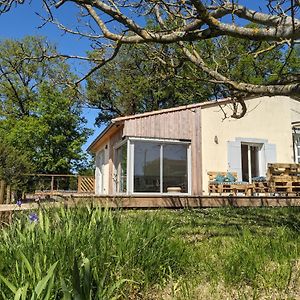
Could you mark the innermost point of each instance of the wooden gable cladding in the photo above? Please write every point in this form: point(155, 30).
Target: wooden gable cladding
point(168, 125)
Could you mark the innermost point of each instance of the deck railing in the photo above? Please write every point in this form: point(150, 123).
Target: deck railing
point(55, 183)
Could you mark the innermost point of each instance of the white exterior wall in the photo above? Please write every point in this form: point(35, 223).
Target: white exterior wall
point(267, 118)
point(104, 168)
point(295, 111)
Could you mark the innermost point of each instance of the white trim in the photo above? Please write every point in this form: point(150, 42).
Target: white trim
point(120, 144)
point(262, 161)
point(260, 150)
point(296, 139)
point(99, 176)
point(161, 169)
point(189, 170)
point(116, 172)
point(127, 167)
point(249, 163)
point(165, 141)
point(131, 168)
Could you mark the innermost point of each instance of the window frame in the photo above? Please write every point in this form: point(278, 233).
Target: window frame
point(296, 144)
point(130, 165)
point(115, 175)
point(260, 149)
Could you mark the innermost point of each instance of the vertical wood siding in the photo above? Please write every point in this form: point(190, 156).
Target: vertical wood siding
point(172, 125)
point(183, 124)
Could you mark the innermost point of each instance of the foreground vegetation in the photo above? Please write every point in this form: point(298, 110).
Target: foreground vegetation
point(89, 253)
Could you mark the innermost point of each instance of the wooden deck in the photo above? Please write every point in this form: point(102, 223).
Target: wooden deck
point(170, 202)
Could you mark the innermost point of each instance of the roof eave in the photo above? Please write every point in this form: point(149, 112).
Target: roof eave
point(99, 137)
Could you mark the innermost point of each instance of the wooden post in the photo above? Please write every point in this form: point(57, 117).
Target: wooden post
point(52, 184)
point(8, 194)
point(2, 191)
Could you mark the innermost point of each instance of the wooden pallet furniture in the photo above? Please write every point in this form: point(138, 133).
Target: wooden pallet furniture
point(284, 178)
point(227, 187)
point(260, 187)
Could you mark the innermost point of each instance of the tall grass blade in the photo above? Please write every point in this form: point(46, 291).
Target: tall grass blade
point(42, 284)
point(26, 263)
point(8, 284)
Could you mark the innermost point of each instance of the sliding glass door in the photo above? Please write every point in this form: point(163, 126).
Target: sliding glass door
point(147, 167)
point(160, 167)
point(175, 167)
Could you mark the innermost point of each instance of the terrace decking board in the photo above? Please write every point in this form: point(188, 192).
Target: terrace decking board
point(171, 202)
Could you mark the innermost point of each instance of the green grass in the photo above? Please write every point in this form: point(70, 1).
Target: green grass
point(91, 253)
point(244, 249)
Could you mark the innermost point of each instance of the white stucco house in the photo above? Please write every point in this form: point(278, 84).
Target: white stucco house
point(171, 150)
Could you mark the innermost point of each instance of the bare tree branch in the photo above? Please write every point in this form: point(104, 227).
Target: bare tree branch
point(125, 22)
point(99, 65)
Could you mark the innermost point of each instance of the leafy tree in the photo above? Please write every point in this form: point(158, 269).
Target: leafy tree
point(246, 61)
point(132, 84)
point(39, 114)
point(112, 24)
point(13, 165)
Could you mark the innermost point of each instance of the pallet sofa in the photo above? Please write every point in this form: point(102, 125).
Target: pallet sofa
point(281, 179)
point(226, 183)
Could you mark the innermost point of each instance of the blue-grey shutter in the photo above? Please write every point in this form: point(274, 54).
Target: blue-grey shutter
point(234, 158)
point(270, 156)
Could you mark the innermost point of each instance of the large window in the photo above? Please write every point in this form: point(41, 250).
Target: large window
point(146, 167)
point(175, 167)
point(160, 167)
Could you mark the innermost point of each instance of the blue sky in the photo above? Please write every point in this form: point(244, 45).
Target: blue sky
point(22, 21)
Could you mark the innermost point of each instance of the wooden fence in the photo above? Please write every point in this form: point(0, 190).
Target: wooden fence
point(86, 184)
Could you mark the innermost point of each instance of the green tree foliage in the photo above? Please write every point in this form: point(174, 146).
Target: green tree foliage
point(39, 113)
point(150, 77)
point(144, 78)
point(252, 61)
point(13, 164)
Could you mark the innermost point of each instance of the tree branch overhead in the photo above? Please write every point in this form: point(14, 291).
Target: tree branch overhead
point(188, 23)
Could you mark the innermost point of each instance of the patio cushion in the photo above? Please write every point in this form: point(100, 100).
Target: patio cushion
point(229, 177)
point(219, 178)
point(259, 179)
